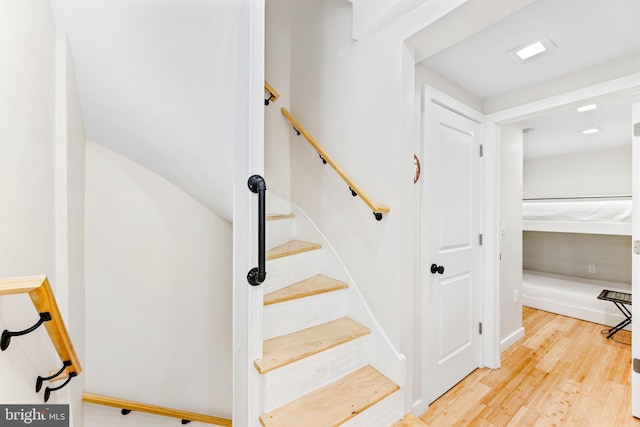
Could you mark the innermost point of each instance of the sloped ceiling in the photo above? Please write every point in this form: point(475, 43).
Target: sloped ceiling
point(157, 83)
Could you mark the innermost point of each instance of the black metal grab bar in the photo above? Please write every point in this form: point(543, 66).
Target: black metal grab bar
point(256, 275)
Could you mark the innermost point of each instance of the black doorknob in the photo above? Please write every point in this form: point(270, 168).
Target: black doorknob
point(437, 269)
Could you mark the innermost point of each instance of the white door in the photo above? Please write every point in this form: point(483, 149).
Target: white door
point(635, 263)
point(452, 188)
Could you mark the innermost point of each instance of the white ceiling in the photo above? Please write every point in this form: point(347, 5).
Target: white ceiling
point(588, 34)
point(144, 70)
point(559, 132)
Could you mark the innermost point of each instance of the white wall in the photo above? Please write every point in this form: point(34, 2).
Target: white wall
point(158, 291)
point(27, 186)
point(571, 254)
point(337, 97)
point(357, 99)
point(70, 144)
point(511, 234)
point(159, 84)
point(588, 173)
point(425, 75)
point(27, 136)
point(278, 74)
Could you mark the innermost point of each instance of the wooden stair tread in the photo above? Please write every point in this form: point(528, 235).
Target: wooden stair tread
point(280, 351)
point(410, 420)
point(292, 247)
point(275, 217)
point(334, 403)
point(315, 285)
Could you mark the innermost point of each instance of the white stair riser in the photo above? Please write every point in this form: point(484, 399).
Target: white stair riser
point(279, 231)
point(291, 381)
point(282, 272)
point(276, 204)
point(307, 312)
point(383, 414)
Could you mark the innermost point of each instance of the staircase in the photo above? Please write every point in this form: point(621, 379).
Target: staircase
point(316, 365)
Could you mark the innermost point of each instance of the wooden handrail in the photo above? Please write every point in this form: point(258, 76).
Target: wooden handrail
point(43, 300)
point(273, 94)
point(152, 409)
point(378, 210)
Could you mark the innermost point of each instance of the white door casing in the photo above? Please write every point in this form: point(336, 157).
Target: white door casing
point(451, 242)
point(249, 160)
point(635, 257)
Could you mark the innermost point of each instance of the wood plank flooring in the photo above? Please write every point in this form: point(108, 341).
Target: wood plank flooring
point(562, 373)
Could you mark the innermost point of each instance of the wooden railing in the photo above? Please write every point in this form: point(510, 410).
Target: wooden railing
point(45, 304)
point(356, 190)
point(273, 95)
point(127, 406)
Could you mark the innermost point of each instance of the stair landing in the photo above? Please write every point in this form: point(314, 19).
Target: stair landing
point(334, 403)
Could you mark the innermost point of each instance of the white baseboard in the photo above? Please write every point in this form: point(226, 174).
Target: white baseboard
point(511, 339)
point(419, 407)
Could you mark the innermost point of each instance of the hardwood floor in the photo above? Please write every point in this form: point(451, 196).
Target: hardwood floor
point(562, 373)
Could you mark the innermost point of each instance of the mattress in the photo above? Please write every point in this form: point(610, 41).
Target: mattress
point(571, 296)
point(578, 216)
point(579, 210)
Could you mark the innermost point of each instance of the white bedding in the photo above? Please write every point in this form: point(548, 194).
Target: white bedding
point(578, 216)
point(579, 210)
point(571, 296)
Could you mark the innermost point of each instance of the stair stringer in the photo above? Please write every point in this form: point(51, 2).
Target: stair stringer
point(383, 356)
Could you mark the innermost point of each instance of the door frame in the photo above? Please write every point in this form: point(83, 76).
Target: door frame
point(248, 160)
point(622, 85)
point(492, 179)
point(635, 257)
point(487, 303)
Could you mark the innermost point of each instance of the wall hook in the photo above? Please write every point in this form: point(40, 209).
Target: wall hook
point(48, 390)
point(5, 340)
point(40, 379)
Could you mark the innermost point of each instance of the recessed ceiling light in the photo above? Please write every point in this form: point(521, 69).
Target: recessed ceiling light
point(590, 131)
point(531, 49)
point(588, 107)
